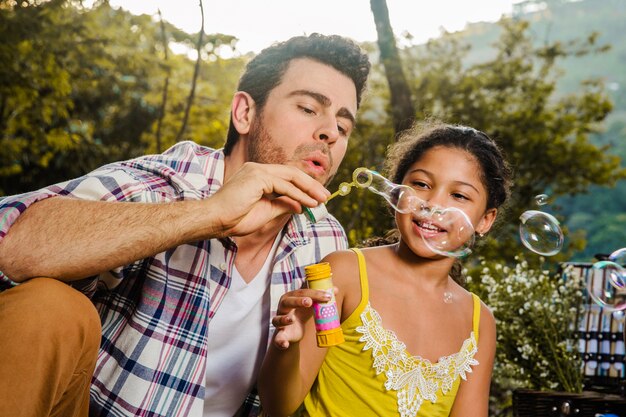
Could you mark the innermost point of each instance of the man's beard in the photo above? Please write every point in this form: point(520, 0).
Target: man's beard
point(263, 149)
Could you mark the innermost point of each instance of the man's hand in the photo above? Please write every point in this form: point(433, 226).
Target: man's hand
point(259, 193)
point(294, 309)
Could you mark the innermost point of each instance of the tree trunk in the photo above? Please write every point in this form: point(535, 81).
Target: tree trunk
point(402, 109)
point(165, 86)
point(196, 71)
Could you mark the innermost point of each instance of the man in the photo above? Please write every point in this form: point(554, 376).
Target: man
point(185, 254)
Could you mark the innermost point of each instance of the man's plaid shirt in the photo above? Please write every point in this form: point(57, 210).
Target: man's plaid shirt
point(156, 312)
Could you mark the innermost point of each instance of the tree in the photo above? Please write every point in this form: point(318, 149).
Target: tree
point(401, 105)
point(194, 80)
point(85, 88)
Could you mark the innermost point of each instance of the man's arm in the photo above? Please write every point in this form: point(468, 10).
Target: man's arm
point(70, 239)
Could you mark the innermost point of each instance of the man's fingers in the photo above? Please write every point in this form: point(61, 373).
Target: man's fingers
point(307, 194)
point(292, 182)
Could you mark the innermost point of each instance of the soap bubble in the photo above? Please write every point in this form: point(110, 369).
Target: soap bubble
point(401, 197)
point(607, 286)
point(541, 199)
point(540, 232)
point(452, 231)
point(619, 316)
point(373, 181)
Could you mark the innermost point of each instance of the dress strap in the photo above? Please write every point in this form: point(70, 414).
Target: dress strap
point(476, 318)
point(365, 296)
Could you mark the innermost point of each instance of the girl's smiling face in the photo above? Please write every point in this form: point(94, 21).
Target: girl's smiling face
point(446, 177)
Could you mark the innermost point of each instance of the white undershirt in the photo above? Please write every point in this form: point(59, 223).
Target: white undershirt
point(238, 335)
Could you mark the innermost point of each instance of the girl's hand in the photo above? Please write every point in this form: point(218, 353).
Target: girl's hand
point(294, 309)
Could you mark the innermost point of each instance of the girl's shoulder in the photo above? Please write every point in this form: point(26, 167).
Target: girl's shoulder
point(344, 266)
point(351, 282)
point(345, 263)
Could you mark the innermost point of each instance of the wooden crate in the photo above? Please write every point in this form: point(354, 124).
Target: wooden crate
point(531, 403)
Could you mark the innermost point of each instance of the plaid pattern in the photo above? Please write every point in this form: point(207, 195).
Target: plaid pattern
point(156, 312)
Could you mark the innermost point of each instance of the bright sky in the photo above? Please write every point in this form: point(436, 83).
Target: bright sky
point(259, 23)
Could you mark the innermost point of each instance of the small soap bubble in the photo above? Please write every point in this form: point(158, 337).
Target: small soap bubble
point(540, 232)
point(447, 297)
point(618, 256)
point(607, 286)
point(619, 316)
point(541, 199)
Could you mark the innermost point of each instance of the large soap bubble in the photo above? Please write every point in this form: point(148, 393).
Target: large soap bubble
point(540, 232)
point(607, 285)
point(445, 231)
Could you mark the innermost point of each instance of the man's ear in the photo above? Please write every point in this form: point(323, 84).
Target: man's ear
point(242, 111)
point(487, 221)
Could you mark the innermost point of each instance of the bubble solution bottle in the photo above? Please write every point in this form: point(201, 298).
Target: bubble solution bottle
point(327, 324)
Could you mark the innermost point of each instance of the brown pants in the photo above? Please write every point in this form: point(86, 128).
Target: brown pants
point(49, 339)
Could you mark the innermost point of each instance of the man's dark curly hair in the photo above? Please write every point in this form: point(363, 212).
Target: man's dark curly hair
point(265, 71)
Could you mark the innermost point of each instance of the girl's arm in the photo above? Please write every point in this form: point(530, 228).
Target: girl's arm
point(472, 399)
point(293, 360)
point(288, 373)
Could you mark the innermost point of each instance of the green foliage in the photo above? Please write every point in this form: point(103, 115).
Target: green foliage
point(85, 85)
point(536, 314)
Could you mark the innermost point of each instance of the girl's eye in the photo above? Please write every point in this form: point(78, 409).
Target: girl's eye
point(459, 196)
point(419, 184)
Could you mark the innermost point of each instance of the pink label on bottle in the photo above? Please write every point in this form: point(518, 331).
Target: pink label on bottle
point(326, 316)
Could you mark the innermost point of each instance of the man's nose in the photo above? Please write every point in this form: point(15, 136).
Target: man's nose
point(328, 131)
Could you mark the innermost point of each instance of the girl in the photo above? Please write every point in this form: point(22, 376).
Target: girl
point(417, 343)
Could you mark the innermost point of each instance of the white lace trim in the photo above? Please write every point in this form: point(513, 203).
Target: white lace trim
point(414, 378)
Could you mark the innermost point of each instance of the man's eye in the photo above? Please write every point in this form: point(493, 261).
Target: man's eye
point(307, 110)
